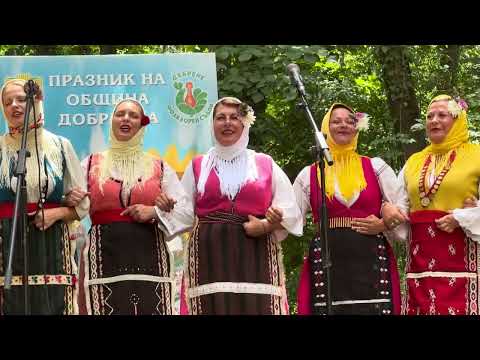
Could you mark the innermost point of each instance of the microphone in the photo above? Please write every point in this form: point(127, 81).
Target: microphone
point(296, 78)
point(31, 88)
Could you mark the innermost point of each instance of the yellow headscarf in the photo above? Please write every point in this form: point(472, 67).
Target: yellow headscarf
point(347, 167)
point(464, 172)
point(456, 139)
point(457, 135)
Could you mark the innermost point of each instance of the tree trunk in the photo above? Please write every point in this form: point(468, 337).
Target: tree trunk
point(449, 56)
point(399, 88)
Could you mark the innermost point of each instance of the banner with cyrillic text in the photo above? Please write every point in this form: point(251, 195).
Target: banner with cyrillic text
point(176, 90)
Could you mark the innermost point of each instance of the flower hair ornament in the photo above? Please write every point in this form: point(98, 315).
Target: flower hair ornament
point(361, 121)
point(246, 112)
point(145, 120)
point(456, 106)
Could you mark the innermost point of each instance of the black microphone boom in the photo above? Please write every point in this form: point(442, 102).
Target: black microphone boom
point(19, 220)
point(322, 154)
point(295, 76)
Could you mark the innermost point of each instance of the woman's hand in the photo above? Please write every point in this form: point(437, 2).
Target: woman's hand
point(74, 197)
point(447, 223)
point(50, 217)
point(469, 203)
point(140, 213)
point(392, 216)
point(255, 227)
point(274, 215)
point(371, 225)
point(165, 203)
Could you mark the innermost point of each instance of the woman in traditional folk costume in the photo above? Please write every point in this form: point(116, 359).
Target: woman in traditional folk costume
point(126, 264)
point(364, 275)
point(52, 172)
point(439, 188)
point(234, 262)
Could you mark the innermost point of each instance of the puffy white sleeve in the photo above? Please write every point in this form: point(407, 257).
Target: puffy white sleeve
point(469, 220)
point(403, 201)
point(182, 217)
point(84, 165)
point(399, 198)
point(74, 177)
point(387, 180)
point(283, 198)
point(392, 192)
point(301, 188)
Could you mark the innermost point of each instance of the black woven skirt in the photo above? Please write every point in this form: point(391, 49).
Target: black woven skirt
point(360, 274)
point(126, 270)
point(229, 272)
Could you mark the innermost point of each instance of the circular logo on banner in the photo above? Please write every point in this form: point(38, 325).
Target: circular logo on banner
point(190, 106)
point(189, 101)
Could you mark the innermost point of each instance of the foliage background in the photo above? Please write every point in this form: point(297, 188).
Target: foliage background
point(393, 84)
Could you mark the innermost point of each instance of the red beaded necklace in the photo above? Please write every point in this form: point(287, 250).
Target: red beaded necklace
point(425, 197)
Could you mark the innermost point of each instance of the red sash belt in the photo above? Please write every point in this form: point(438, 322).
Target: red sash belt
point(109, 216)
point(426, 216)
point(7, 208)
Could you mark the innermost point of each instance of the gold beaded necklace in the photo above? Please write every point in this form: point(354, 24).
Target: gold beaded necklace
point(425, 197)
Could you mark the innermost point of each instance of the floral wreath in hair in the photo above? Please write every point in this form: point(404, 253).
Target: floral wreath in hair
point(246, 112)
point(361, 120)
point(456, 106)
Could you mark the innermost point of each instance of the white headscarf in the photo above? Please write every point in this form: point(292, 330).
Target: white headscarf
point(38, 105)
point(231, 163)
point(10, 144)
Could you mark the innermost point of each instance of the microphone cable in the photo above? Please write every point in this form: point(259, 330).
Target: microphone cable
point(42, 199)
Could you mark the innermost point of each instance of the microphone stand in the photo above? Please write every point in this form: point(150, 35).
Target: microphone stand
point(19, 223)
point(323, 263)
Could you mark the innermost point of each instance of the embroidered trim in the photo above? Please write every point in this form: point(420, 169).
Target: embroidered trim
point(166, 258)
point(478, 276)
point(159, 300)
point(440, 274)
point(340, 222)
point(284, 307)
point(70, 301)
point(85, 265)
point(347, 302)
point(235, 287)
point(194, 305)
point(128, 277)
point(275, 274)
point(106, 300)
point(41, 280)
point(474, 291)
point(93, 271)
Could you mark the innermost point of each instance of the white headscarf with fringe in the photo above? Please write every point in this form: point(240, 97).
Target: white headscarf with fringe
point(10, 143)
point(232, 164)
point(127, 158)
